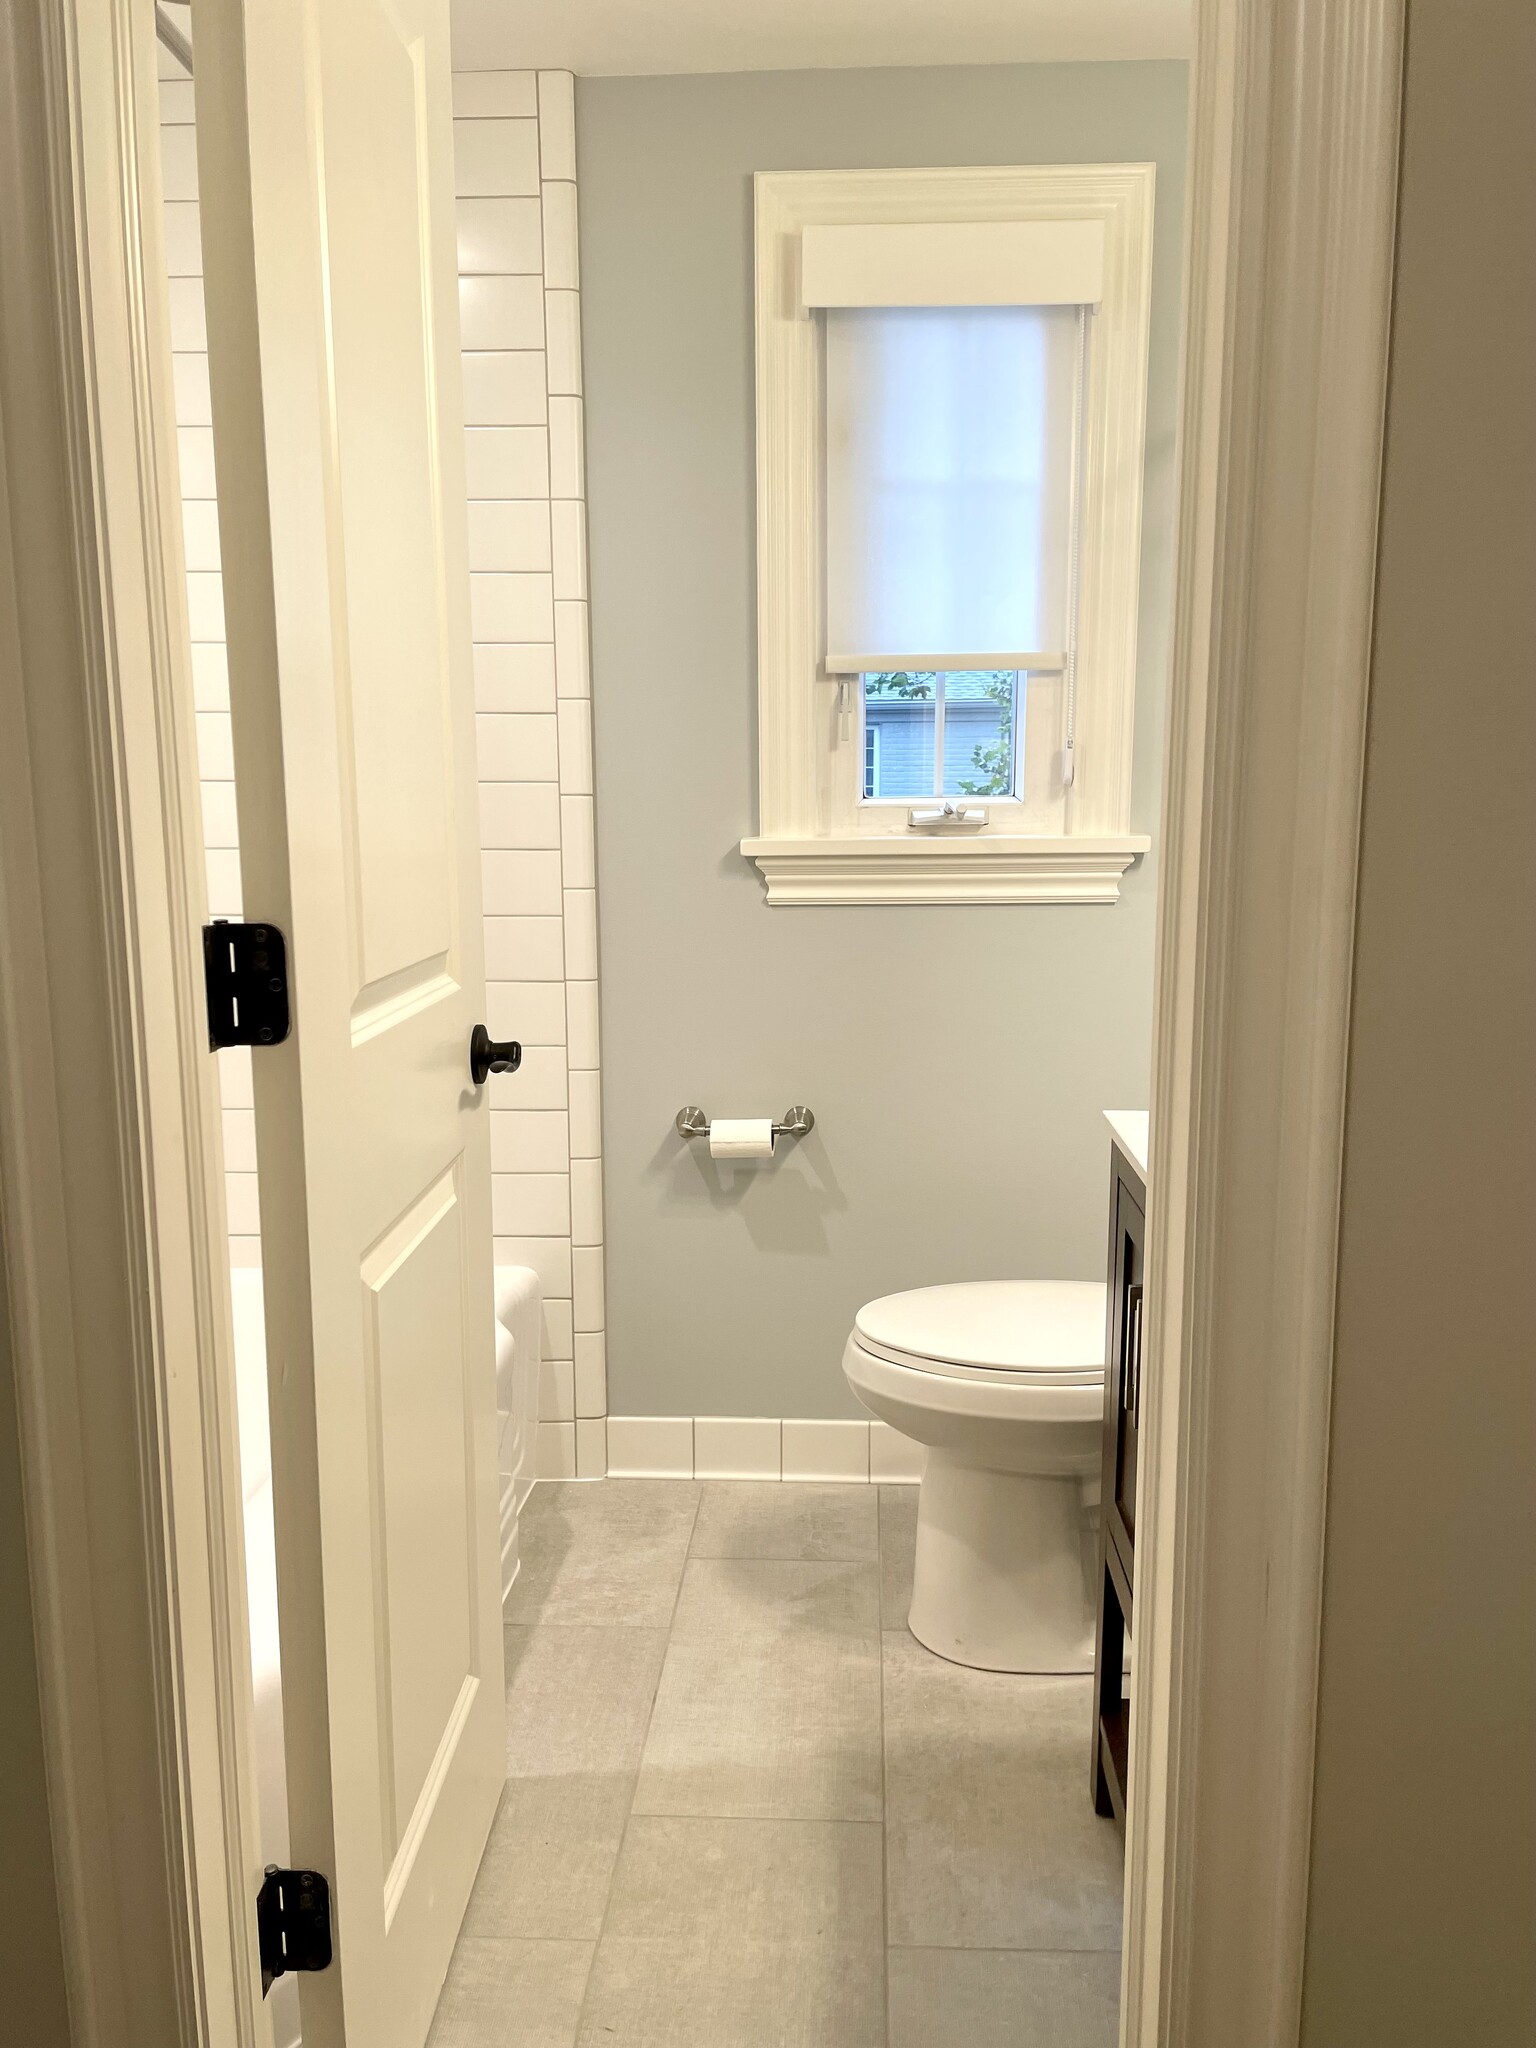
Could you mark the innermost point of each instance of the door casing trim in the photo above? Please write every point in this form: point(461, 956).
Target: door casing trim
point(111, 1182)
point(135, 1548)
point(1291, 210)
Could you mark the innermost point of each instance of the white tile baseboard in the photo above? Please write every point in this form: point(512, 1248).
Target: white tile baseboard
point(826, 1450)
point(758, 1447)
point(650, 1446)
point(736, 1447)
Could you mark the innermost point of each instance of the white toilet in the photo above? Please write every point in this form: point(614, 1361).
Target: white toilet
point(1003, 1380)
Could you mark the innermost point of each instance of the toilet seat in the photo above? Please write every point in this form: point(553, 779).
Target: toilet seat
point(1014, 1332)
point(918, 1387)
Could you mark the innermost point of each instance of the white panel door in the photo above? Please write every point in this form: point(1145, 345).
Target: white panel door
point(325, 153)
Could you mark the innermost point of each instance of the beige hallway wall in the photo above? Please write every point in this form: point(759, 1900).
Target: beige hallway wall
point(31, 1958)
point(1422, 1926)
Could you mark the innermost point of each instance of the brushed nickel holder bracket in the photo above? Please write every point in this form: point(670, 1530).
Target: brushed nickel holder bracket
point(795, 1122)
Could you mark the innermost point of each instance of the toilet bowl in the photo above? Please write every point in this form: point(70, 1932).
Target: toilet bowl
point(1003, 1380)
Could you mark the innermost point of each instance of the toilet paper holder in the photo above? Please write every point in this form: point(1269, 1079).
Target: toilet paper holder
point(796, 1121)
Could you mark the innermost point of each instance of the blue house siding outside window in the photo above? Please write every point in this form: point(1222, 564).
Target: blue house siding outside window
point(978, 741)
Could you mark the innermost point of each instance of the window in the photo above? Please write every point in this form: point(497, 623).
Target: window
point(937, 733)
point(951, 383)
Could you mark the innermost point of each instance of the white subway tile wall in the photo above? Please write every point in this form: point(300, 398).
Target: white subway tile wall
point(515, 166)
point(520, 322)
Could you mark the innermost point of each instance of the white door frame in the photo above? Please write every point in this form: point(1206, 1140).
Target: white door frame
point(110, 1189)
point(1292, 206)
point(111, 1182)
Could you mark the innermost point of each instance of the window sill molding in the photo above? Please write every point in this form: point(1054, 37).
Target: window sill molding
point(932, 870)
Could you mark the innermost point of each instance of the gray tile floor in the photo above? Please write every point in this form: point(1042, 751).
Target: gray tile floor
point(745, 1809)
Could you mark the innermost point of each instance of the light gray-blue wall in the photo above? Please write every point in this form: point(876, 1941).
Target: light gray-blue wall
point(957, 1058)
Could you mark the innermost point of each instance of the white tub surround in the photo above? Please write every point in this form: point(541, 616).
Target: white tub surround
point(519, 1325)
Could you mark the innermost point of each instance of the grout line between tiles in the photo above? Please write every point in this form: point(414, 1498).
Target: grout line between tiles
point(769, 1557)
point(774, 1820)
point(635, 1787)
point(641, 1628)
point(960, 1948)
point(524, 1940)
point(885, 1537)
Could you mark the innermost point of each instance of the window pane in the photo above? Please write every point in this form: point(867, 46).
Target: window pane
point(900, 717)
point(931, 733)
point(980, 722)
point(949, 440)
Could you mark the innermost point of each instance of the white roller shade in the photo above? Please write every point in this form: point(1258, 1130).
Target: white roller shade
point(949, 487)
point(954, 263)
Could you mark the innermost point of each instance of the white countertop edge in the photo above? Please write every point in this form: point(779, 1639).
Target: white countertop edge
point(1130, 1127)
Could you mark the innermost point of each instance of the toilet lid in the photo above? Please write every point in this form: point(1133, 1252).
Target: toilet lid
point(1048, 1329)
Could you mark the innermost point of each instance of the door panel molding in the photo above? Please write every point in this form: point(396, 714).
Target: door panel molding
point(329, 266)
point(418, 1231)
point(384, 1004)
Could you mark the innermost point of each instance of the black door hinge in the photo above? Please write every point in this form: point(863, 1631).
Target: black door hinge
point(245, 970)
point(293, 1923)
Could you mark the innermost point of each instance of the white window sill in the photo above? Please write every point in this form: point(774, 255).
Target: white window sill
point(928, 869)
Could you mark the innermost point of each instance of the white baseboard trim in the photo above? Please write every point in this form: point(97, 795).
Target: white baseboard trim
point(758, 1447)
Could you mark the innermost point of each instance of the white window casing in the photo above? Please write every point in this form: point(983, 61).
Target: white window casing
point(831, 248)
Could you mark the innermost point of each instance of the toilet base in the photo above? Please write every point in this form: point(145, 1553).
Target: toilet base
point(999, 1581)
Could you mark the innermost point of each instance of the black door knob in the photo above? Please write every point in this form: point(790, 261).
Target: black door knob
point(489, 1055)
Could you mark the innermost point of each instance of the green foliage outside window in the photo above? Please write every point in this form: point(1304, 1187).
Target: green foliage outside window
point(907, 683)
point(994, 764)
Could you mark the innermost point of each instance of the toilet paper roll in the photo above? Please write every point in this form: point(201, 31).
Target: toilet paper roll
point(741, 1137)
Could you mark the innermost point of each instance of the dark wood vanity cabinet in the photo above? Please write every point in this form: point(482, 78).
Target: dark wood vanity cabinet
point(1117, 1501)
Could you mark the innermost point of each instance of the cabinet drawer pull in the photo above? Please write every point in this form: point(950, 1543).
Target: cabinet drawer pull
point(1131, 1385)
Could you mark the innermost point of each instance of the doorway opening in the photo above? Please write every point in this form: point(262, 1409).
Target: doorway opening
point(807, 1444)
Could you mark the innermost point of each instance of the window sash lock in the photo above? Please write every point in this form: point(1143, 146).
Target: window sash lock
point(927, 816)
